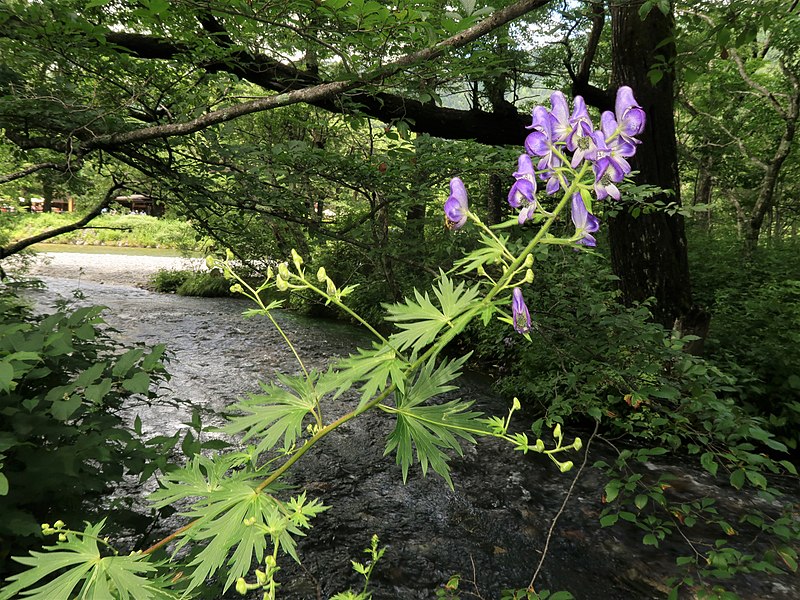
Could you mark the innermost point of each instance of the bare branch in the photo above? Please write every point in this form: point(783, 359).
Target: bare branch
point(16, 247)
point(754, 84)
point(63, 167)
point(316, 93)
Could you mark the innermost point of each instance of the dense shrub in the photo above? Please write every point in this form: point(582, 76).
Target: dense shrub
point(64, 438)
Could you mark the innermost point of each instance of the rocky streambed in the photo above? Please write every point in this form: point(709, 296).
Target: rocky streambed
point(492, 528)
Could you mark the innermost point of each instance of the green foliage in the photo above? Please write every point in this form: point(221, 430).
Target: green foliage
point(190, 283)
point(64, 440)
point(76, 567)
point(135, 231)
point(755, 329)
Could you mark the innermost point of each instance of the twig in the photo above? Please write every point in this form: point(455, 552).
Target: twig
point(563, 506)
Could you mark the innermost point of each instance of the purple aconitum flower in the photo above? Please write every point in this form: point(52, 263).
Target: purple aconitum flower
point(540, 142)
point(630, 116)
point(585, 222)
point(519, 310)
point(561, 126)
point(523, 192)
point(608, 155)
point(580, 140)
point(456, 208)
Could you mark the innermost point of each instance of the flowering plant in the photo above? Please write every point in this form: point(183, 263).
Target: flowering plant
point(241, 513)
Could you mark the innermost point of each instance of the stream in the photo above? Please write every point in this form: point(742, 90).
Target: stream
point(492, 528)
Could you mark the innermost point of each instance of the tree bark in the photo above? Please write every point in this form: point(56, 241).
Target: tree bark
point(649, 252)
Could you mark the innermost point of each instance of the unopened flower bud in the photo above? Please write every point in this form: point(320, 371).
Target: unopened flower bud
point(528, 261)
point(210, 261)
point(538, 446)
point(281, 284)
point(58, 524)
point(565, 466)
point(283, 270)
point(322, 275)
point(241, 586)
point(577, 444)
point(261, 577)
point(62, 537)
point(237, 288)
point(516, 405)
point(297, 259)
point(228, 254)
point(269, 273)
point(45, 526)
point(270, 561)
point(557, 431)
point(529, 276)
point(481, 270)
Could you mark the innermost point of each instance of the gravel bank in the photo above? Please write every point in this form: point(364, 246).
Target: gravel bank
point(111, 269)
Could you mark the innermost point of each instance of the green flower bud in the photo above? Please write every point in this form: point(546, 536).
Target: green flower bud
point(228, 254)
point(516, 405)
point(261, 577)
point(62, 537)
point(297, 259)
point(270, 561)
point(538, 446)
point(481, 270)
point(330, 288)
point(528, 261)
point(45, 526)
point(577, 444)
point(322, 275)
point(269, 273)
point(565, 466)
point(283, 270)
point(529, 276)
point(58, 524)
point(281, 284)
point(237, 288)
point(557, 431)
point(241, 586)
point(210, 261)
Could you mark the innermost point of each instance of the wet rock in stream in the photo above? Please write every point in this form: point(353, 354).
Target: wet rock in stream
point(491, 528)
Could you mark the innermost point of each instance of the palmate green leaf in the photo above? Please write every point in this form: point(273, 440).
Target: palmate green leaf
point(488, 254)
point(371, 368)
point(432, 429)
point(221, 520)
point(85, 573)
point(421, 321)
point(275, 413)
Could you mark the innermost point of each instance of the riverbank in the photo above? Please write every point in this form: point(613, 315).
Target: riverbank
point(109, 268)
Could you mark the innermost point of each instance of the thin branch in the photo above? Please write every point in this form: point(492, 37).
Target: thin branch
point(63, 167)
point(754, 84)
point(563, 506)
point(11, 249)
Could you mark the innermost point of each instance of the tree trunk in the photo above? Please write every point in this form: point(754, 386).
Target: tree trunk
point(704, 185)
point(649, 252)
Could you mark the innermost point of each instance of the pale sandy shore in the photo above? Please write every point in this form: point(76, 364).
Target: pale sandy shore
point(112, 269)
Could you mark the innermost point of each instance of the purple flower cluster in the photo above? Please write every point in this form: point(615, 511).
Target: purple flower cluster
point(562, 141)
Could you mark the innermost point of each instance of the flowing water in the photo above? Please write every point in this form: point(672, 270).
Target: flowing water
point(492, 528)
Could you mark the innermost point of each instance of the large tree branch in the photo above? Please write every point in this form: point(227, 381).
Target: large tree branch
point(16, 247)
point(754, 84)
point(62, 167)
point(295, 86)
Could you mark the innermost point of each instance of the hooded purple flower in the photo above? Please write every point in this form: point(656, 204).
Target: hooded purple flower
point(519, 310)
point(523, 192)
point(630, 116)
point(561, 123)
point(585, 222)
point(456, 207)
point(609, 154)
point(525, 185)
point(580, 140)
point(540, 142)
